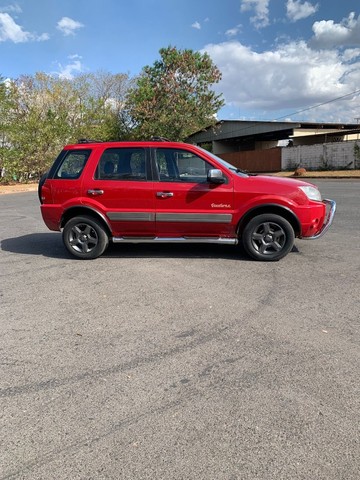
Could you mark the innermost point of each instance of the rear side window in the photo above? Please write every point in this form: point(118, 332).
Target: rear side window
point(72, 164)
point(122, 164)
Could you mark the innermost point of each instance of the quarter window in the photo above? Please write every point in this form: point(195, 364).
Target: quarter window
point(122, 164)
point(72, 164)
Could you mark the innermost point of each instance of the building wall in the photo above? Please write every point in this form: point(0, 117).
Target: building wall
point(316, 139)
point(222, 147)
point(264, 145)
point(320, 156)
point(259, 161)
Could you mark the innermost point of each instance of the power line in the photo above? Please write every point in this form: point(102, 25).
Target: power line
point(318, 105)
point(295, 113)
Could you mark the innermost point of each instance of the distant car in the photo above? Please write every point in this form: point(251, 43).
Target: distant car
point(159, 191)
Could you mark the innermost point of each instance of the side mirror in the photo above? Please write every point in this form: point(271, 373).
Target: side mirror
point(215, 176)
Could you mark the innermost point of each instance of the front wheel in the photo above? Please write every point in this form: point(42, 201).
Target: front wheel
point(268, 237)
point(85, 237)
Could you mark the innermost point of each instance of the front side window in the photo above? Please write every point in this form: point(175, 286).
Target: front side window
point(72, 164)
point(180, 166)
point(228, 165)
point(122, 164)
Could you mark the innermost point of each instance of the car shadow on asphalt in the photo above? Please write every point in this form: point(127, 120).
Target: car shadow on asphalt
point(45, 244)
point(50, 245)
point(138, 250)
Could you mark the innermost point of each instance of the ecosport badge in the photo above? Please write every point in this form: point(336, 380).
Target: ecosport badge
point(220, 205)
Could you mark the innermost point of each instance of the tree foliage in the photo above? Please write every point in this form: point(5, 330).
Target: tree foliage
point(173, 98)
point(39, 114)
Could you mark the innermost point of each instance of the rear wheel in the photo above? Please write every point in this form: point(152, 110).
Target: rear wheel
point(85, 237)
point(268, 237)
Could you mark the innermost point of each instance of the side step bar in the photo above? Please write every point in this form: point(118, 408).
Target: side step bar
point(218, 240)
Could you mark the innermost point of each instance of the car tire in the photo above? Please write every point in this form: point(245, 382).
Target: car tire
point(85, 237)
point(268, 237)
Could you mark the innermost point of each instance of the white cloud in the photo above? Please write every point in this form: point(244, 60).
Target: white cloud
point(297, 10)
point(68, 26)
point(261, 7)
point(328, 34)
point(71, 69)
point(11, 9)
point(196, 25)
point(232, 32)
point(43, 37)
point(351, 54)
point(10, 30)
point(292, 76)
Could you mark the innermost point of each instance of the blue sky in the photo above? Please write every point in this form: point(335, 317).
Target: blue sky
point(277, 57)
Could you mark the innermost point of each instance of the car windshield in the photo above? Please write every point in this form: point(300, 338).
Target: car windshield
point(240, 172)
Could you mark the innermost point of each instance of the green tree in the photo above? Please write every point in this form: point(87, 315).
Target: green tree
point(40, 114)
point(173, 97)
point(3, 122)
point(102, 98)
point(41, 118)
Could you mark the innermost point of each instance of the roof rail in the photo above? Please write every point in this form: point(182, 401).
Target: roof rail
point(159, 139)
point(88, 140)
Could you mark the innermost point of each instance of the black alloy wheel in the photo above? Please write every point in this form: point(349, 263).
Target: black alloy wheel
point(268, 237)
point(85, 237)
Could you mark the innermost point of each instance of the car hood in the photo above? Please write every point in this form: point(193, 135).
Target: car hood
point(274, 187)
point(281, 181)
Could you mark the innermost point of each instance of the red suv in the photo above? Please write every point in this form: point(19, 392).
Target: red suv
point(163, 191)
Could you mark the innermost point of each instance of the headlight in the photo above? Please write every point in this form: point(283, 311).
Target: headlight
point(312, 193)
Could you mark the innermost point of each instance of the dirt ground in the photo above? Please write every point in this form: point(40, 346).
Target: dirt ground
point(322, 174)
point(18, 187)
point(30, 187)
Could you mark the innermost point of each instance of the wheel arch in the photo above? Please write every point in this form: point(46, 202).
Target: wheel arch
point(89, 212)
point(275, 209)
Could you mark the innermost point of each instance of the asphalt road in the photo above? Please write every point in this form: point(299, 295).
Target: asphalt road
point(179, 362)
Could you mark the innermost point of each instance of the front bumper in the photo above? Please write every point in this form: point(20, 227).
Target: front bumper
point(330, 213)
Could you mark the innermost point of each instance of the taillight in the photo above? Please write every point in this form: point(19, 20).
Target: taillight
point(45, 194)
point(40, 188)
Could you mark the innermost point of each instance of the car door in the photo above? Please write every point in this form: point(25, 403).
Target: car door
point(122, 189)
point(186, 203)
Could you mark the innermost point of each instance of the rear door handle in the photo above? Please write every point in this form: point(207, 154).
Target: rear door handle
point(96, 191)
point(164, 194)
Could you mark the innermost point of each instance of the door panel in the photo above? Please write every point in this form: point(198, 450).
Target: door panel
point(186, 203)
point(121, 186)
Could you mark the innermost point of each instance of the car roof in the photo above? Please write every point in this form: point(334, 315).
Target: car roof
point(83, 144)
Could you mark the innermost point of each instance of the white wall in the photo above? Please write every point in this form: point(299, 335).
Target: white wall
point(320, 156)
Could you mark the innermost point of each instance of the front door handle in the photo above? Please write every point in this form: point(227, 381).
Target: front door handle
point(96, 191)
point(164, 194)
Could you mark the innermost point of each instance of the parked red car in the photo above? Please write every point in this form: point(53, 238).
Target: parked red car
point(161, 191)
